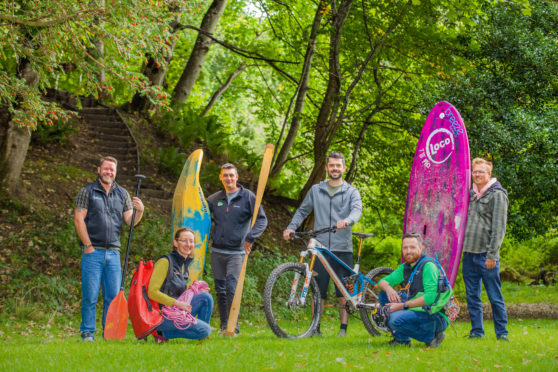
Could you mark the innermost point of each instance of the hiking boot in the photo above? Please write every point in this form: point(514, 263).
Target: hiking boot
point(437, 340)
point(87, 337)
point(503, 338)
point(342, 333)
point(394, 342)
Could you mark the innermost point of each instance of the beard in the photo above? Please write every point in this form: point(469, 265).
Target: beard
point(411, 258)
point(106, 179)
point(336, 176)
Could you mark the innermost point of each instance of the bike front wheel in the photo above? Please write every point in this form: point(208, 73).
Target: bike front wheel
point(374, 322)
point(286, 314)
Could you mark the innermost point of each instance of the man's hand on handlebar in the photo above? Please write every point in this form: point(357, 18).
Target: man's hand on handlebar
point(287, 234)
point(341, 224)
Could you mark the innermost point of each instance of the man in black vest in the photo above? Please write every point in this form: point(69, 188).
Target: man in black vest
point(417, 314)
point(100, 208)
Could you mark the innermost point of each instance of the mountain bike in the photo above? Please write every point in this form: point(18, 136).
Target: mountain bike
point(292, 301)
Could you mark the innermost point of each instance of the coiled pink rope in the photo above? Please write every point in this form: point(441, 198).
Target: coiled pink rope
point(183, 319)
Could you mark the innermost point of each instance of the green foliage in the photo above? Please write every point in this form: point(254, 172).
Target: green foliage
point(533, 260)
point(58, 132)
point(171, 160)
point(386, 252)
point(187, 126)
point(259, 268)
point(56, 44)
point(507, 97)
point(235, 143)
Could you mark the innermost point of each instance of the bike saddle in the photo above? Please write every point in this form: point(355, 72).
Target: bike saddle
point(363, 235)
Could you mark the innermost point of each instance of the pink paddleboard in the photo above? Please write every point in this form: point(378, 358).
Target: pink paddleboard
point(438, 195)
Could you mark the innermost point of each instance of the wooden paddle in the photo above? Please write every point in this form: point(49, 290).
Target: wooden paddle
point(117, 313)
point(235, 306)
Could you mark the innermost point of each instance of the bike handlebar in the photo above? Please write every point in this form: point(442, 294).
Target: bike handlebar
point(312, 233)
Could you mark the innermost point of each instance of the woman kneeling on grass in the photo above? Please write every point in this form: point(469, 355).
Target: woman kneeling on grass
point(179, 304)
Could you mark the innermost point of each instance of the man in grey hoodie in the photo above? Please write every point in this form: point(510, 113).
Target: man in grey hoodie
point(335, 203)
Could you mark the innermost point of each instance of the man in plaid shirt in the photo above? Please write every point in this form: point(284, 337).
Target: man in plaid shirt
point(101, 207)
point(486, 227)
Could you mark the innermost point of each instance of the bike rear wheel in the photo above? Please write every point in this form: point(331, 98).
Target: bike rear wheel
point(285, 314)
point(373, 321)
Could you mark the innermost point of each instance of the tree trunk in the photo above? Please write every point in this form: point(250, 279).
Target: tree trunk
point(301, 95)
point(201, 47)
point(326, 124)
point(14, 141)
point(350, 176)
point(222, 89)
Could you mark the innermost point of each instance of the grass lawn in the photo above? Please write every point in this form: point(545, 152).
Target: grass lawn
point(32, 346)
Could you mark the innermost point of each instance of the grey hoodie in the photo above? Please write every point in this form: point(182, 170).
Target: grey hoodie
point(345, 204)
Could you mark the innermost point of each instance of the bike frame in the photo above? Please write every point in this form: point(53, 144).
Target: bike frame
point(316, 249)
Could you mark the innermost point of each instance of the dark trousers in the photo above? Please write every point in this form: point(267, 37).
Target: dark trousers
point(226, 270)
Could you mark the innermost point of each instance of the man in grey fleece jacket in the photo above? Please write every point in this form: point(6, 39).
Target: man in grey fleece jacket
point(335, 203)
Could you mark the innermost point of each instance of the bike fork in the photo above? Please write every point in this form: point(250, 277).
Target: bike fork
point(306, 285)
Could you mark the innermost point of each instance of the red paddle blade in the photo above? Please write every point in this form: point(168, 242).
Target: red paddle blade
point(117, 318)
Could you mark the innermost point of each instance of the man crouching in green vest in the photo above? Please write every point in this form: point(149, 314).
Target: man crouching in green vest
point(415, 312)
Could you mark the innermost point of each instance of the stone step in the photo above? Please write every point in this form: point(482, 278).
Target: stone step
point(122, 144)
point(129, 178)
point(113, 130)
point(97, 109)
point(112, 137)
point(95, 123)
point(129, 162)
point(101, 118)
point(164, 205)
point(154, 193)
point(118, 151)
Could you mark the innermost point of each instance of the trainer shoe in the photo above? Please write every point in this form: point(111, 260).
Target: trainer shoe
point(437, 340)
point(473, 336)
point(503, 338)
point(87, 337)
point(317, 333)
point(394, 342)
point(342, 333)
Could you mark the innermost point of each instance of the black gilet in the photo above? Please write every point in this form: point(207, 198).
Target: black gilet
point(176, 282)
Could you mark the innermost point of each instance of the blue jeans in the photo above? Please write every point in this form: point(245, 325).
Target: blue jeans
point(474, 271)
point(98, 268)
point(202, 307)
point(407, 324)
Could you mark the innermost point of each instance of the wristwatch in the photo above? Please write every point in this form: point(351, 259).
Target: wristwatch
point(405, 306)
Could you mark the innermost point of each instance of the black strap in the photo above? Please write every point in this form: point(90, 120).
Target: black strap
point(146, 298)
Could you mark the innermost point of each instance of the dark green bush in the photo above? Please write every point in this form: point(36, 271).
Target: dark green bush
point(170, 160)
point(59, 132)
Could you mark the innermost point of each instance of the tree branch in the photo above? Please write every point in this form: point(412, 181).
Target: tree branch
point(51, 22)
point(247, 53)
